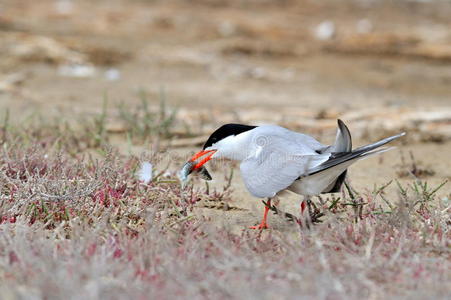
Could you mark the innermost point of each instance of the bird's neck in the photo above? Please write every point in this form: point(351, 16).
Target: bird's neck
point(235, 147)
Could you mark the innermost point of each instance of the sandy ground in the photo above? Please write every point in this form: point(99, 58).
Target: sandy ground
point(363, 176)
point(234, 56)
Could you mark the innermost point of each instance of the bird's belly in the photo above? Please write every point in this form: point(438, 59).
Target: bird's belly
point(301, 187)
point(316, 183)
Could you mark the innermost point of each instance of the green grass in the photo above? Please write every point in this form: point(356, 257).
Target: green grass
point(149, 121)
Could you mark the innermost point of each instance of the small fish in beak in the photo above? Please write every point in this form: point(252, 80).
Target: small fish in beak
point(204, 174)
point(193, 166)
point(189, 167)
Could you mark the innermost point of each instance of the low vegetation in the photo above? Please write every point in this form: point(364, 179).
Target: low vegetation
point(80, 224)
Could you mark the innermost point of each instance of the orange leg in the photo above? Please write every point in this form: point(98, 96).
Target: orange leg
point(303, 206)
point(263, 224)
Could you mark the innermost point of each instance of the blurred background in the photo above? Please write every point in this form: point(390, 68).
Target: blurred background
point(79, 76)
point(382, 66)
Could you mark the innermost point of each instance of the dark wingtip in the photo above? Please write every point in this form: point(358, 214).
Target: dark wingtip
point(338, 183)
point(345, 133)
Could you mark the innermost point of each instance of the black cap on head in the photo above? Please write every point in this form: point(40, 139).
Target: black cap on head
point(225, 131)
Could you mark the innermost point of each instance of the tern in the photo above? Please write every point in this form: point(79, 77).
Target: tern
point(275, 159)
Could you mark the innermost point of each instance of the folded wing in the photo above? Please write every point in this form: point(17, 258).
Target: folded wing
point(277, 163)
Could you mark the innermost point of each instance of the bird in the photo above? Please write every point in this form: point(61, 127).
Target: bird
point(274, 159)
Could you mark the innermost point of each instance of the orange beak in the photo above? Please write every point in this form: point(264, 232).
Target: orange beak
point(204, 160)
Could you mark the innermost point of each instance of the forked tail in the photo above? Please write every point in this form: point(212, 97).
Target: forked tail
point(342, 156)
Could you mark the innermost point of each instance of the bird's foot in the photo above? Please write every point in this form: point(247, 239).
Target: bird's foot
point(260, 226)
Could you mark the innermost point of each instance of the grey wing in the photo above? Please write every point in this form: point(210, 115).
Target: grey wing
point(274, 168)
point(306, 140)
point(294, 142)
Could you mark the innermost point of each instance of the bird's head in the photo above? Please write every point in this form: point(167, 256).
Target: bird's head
point(222, 143)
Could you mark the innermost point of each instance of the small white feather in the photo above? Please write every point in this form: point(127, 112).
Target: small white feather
point(145, 172)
